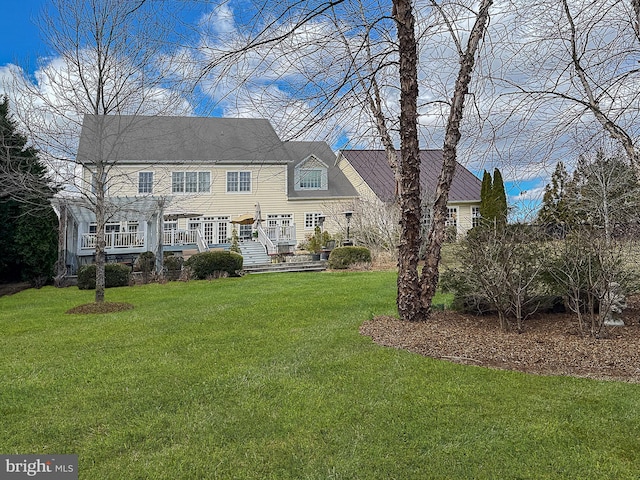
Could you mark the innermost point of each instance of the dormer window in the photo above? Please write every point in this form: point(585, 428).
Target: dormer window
point(311, 174)
point(310, 179)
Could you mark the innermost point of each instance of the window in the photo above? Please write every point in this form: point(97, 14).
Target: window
point(452, 217)
point(311, 220)
point(145, 182)
point(190, 182)
point(204, 181)
point(311, 179)
point(475, 216)
point(238, 181)
point(170, 225)
point(177, 182)
point(311, 174)
point(108, 228)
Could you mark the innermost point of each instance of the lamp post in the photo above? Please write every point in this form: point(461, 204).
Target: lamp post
point(348, 214)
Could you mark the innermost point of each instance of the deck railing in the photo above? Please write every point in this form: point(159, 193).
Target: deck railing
point(122, 240)
point(114, 240)
point(271, 237)
point(180, 237)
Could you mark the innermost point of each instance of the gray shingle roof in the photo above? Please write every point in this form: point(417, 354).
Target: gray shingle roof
point(155, 139)
point(372, 166)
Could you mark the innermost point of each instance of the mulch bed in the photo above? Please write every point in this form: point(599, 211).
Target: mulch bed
point(550, 345)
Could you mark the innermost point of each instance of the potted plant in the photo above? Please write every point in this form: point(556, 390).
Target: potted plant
point(317, 242)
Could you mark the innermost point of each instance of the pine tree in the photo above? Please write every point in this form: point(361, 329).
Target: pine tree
point(554, 211)
point(28, 224)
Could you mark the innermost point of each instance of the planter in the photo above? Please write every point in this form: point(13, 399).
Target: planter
point(315, 257)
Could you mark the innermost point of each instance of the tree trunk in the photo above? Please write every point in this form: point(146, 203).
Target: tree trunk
point(100, 239)
point(430, 274)
point(409, 306)
point(61, 264)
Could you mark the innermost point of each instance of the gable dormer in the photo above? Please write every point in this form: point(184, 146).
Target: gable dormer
point(311, 174)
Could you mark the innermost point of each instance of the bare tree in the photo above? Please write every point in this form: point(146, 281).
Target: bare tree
point(357, 87)
point(501, 271)
point(107, 61)
point(571, 73)
point(467, 56)
point(609, 195)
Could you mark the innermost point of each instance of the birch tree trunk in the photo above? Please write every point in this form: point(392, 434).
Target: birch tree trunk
point(430, 274)
point(409, 305)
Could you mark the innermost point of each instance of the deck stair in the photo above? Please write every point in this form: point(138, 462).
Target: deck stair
point(317, 266)
point(253, 254)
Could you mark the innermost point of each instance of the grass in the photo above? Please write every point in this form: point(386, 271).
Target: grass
point(266, 377)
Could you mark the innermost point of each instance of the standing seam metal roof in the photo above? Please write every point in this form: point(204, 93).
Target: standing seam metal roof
point(373, 167)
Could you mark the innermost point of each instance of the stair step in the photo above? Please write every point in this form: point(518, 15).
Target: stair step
point(287, 267)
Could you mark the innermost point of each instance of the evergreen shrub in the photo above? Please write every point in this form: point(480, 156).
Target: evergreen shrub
point(173, 266)
point(208, 264)
point(343, 257)
point(115, 275)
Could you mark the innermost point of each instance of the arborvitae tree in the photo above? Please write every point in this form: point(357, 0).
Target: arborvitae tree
point(499, 196)
point(28, 224)
point(486, 205)
point(493, 200)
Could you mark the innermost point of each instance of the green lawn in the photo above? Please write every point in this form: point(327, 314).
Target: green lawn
point(266, 377)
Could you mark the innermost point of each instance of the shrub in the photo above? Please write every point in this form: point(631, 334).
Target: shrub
point(115, 275)
point(173, 266)
point(145, 263)
point(173, 262)
point(209, 264)
point(343, 257)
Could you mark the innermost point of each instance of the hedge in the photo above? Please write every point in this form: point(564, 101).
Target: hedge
point(208, 264)
point(115, 275)
point(343, 257)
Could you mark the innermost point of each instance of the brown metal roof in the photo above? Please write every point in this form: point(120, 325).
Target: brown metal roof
point(372, 166)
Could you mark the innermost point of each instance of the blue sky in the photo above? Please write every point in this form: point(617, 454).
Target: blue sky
point(20, 43)
point(19, 37)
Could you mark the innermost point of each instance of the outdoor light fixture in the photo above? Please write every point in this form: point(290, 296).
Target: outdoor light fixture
point(348, 214)
point(321, 219)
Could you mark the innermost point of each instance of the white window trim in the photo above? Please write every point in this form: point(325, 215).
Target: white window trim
point(198, 183)
point(140, 183)
point(238, 191)
point(311, 163)
point(475, 216)
point(314, 220)
point(304, 172)
point(455, 218)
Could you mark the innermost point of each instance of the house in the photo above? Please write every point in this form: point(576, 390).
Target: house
point(370, 173)
point(185, 183)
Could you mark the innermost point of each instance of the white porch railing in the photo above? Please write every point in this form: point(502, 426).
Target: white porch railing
point(120, 240)
point(200, 241)
point(180, 237)
point(273, 236)
point(114, 240)
point(264, 239)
